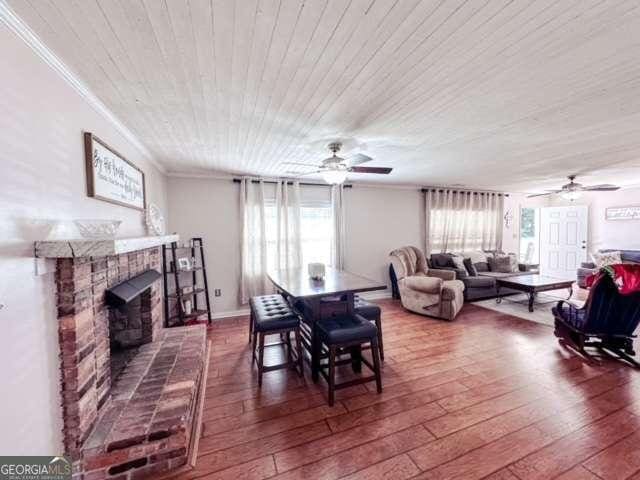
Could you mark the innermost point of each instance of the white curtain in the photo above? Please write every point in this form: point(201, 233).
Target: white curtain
point(458, 221)
point(288, 248)
point(338, 215)
point(270, 234)
point(253, 280)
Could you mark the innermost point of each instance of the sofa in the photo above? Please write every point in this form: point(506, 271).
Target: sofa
point(480, 272)
point(424, 290)
point(587, 268)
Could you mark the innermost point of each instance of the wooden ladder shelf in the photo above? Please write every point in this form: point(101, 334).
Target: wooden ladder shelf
point(175, 295)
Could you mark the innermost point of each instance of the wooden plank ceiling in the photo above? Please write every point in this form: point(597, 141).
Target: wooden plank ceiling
point(486, 93)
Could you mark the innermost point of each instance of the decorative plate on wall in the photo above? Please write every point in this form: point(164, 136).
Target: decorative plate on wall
point(155, 220)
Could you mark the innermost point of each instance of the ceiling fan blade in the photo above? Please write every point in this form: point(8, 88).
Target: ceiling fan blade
point(298, 163)
point(542, 194)
point(602, 188)
point(357, 159)
point(298, 174)
point(382, 170)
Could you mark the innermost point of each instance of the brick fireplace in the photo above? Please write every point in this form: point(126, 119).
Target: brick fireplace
point(84, 319)
point(129, 387)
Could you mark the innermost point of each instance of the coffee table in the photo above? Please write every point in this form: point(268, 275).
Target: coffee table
point(531, 285)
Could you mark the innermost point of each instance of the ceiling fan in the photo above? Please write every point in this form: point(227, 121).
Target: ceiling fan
point(334, 169)
point(573, 191)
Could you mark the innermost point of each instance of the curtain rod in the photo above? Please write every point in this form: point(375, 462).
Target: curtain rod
point(290, 182)
point(468, 192)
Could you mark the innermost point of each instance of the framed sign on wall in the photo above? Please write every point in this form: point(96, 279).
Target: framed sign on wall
point(632, 212)
point(111, 177)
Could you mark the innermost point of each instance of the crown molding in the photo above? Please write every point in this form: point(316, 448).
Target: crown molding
point(24, 33)
point(211, 176)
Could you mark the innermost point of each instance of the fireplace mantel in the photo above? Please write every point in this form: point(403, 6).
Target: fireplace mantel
point(98, 248)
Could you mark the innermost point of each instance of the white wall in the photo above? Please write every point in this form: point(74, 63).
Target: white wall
point(210, 208)
point(42, 173)
point(378, 220)
point(514, 203)
point(622, 234)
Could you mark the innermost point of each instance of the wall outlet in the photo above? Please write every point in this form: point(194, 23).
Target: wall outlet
point(217, 292)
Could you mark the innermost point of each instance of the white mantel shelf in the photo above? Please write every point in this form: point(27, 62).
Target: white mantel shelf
point(98, 248)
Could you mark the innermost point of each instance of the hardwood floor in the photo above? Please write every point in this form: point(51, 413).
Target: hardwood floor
point(485, 396)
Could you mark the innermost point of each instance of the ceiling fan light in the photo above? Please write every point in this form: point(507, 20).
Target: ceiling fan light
point(334, 177)
point(571, 195)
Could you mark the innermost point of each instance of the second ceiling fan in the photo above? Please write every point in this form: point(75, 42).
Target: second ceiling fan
point(334, 169)
point(573, 191)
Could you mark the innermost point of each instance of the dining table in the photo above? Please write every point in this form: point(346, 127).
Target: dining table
point(316, 299)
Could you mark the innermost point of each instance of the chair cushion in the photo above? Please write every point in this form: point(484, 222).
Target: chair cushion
point(345, 328)
point(368, 310)
point(272, 312)
point(503, 274)
point(424, 284)
point(480, 282)
point(630, 256)
point(573, 316)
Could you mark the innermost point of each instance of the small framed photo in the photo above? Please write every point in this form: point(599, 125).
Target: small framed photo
point(187, 307)
point(184, 264)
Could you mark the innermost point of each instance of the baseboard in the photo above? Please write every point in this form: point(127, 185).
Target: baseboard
point(230, 313)
point(375, 295)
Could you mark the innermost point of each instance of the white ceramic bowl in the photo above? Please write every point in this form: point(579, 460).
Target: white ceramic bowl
point(98, 228)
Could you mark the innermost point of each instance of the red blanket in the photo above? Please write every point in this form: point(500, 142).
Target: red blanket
point(625, 276)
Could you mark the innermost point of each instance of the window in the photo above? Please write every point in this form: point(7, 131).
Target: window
point(463, 230)
point(466, 230)
point(316, 232)
point(530, 235)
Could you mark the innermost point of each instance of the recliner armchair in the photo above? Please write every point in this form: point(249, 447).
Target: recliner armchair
point(425, 290)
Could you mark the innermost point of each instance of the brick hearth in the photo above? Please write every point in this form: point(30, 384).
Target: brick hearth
point(139, 422)
point(146, 428)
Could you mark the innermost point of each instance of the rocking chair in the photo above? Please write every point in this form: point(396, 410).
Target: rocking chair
point(607, 321)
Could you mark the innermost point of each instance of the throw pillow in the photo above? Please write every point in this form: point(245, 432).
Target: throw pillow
point(476, 256)
point(441, 260)
point(501, 264)
point(482, 266)
point(602, 259)
point(458, 262)
point(491, 261)
point(461, 270)
point(479, 260)
point(505, 263)
point(471, 269)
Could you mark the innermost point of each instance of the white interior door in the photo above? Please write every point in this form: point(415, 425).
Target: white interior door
point(563, 240)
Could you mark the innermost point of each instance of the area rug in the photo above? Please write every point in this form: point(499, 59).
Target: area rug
point(517, 305)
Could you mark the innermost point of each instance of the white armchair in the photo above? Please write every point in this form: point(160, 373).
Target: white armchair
point(425, 290)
